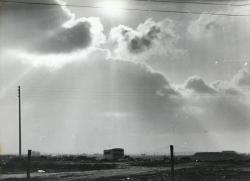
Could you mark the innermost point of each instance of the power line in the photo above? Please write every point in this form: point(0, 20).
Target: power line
point(194, 2)
point(159, 1)
point(131, 9)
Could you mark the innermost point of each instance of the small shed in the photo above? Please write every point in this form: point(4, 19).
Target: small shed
point(113, 154)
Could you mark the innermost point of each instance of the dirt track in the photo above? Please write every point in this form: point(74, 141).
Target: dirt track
point(95, 174)
point(184, 172)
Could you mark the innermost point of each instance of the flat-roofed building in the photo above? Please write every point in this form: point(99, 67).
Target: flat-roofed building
point(113, 154)
point(216, 156)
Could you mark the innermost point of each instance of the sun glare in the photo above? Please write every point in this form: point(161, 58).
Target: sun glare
point(113, 8)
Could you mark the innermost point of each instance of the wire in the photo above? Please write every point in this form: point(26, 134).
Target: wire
point(193, 2)
point(167, 1)
point(131, 9)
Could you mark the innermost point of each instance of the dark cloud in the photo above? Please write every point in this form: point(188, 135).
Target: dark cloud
point(143, 42)
point(137, 44)
point(134, 43)
point(25, 23)
point(48, 29)
point(148, 35)
point(67, 39)
point(198, 85)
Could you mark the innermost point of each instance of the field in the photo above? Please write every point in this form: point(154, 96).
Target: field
point(131, 169)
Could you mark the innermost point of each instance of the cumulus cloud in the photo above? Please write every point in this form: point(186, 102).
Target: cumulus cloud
point(242, 78)
point(226, 88)
point(218, 88)
point(197, 84)
point(226, 109)
point(149, 37)
point(84, 92)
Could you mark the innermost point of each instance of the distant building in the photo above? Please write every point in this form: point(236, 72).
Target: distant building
point(113, 154)
point(216, 156)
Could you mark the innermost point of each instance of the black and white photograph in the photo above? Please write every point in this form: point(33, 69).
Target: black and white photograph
point(117, 90)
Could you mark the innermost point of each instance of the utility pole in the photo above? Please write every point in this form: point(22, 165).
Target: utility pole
point(20, 123)
point(172, 161)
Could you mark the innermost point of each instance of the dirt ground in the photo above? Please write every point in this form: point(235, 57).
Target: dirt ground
point(203, 171)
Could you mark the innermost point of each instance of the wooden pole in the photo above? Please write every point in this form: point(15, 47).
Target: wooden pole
point(28, 165)
point(172, 161)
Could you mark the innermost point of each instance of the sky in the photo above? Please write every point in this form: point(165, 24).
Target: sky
point(105, 74)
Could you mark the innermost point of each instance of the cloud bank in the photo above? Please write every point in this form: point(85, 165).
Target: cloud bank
point(122, 99)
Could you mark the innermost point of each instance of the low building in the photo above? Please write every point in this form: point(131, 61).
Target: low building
point(216, 156)
point(113, 154)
